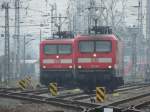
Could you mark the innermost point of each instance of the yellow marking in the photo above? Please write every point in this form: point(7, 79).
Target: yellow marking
point(101, 93)
point(99, 99)
point(76, 90)
point(116, 94)
point(22, 84)
point(53, 89)
point(27, 81)
point(53, 93)
point(101, 88)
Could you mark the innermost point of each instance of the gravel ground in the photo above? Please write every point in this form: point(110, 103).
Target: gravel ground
point(9, 105)
point(29, 108)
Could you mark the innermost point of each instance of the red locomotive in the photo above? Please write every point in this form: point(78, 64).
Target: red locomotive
point(98, 61)
point(88, 60)
point(56, 61)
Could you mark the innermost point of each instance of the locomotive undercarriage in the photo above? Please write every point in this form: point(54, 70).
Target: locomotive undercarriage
point(88, 80)
point(61, 77)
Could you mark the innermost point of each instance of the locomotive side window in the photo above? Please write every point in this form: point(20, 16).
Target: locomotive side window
point(86, 46)
point(50, 49)
point(103, 46)
point(64, 49)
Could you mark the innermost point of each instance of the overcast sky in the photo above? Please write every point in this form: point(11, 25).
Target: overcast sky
point(36, 17)
point(38, 8)
point(62, 5)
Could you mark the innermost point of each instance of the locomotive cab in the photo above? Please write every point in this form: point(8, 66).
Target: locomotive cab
point(56, 61)
point(97, 61)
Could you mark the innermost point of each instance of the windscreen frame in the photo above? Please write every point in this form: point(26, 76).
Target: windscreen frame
point(57, 49)
point(94, 51)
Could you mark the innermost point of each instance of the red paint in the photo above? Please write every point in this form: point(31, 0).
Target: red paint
point(55, 57)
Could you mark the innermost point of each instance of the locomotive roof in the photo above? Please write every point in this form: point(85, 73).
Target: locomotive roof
point(102, 36)
point(55, 41)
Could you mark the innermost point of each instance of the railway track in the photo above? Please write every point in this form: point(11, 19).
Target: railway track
point(132, 86)
point(38, 91)
point(145, 108)
point(71, 101)
point(81, 96)
point(9, 89)
point(78, 106)
point(129, 104)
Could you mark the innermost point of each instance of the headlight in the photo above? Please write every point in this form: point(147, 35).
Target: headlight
point(44, 67)
point(70, 67)
point(110, 67)
point(57, 57)
point(79, 66)
point(94, 55)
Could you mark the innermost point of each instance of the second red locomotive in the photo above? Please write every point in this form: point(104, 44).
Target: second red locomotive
point(98, 61)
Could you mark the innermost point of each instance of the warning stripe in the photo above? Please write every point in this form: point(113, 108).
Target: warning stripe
point(28, 81)
point(53, 93)
point(22, 84)
point(53, 88)
point(102, 89)
point(100, 93)
point(55, 84)
point(99, 98)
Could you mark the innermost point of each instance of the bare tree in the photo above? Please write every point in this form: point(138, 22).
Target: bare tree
point(115, 15)
point(106, 12)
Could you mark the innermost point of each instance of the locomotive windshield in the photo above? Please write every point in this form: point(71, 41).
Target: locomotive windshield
point(50, 49)
point(86, 46)
point(57, 49)
point(64, 49)
point(94, 46)
point(103, 46)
